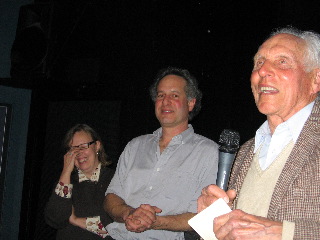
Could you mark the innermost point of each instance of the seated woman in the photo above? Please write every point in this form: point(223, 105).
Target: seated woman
point(75, 207)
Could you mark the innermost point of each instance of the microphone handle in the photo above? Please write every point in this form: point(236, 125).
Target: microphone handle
point(224, 168)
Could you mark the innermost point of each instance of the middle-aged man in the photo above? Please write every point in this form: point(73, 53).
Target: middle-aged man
point(160, 176)
point(275, 180)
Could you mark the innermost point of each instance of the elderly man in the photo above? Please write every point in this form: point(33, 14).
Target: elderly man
point(160, 176)
point(275, 181)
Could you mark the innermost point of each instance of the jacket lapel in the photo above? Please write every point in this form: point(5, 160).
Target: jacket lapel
point(299, 156)
point(241, 167)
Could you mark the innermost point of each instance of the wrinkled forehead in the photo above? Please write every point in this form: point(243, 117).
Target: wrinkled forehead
point(283, 42)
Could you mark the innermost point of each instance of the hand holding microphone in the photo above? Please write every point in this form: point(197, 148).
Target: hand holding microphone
point(229, 141)
point(210, 205)
point(229, 144)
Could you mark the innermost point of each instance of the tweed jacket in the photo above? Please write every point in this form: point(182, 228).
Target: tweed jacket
point(296, 197)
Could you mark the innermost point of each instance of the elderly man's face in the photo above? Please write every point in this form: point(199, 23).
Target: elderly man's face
point(280, 85)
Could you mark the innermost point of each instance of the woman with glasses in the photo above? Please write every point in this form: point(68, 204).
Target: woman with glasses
point(75, 207)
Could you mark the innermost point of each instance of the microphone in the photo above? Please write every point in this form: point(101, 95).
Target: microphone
point(229, 140)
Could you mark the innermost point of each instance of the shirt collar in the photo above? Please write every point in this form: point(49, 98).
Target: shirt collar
point(180, 137)
point(294, 125)
point(94, 177)
point(297, 121)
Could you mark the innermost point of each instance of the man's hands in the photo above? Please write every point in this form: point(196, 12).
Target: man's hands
point(237, 224)
point(212, 193)
point(145, 216)
point(240, 225)
point(142, 218)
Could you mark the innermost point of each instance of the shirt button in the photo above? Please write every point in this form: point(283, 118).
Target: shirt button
point(158, 169)
point(150, 188)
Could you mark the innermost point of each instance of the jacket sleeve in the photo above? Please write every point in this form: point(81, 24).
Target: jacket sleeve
point(57, 211)
point(104, 217)
point(306, 229)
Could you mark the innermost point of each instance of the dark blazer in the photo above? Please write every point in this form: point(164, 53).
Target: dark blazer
point(296, 197)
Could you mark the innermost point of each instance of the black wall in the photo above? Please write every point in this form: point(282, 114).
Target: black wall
point(109, 51)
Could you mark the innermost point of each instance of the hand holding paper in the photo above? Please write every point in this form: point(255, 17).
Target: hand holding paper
point(202, 223)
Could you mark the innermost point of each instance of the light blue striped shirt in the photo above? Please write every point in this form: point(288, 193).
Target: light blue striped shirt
point(172, 180)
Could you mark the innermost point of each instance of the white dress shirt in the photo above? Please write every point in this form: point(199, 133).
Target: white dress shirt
point(272, 145)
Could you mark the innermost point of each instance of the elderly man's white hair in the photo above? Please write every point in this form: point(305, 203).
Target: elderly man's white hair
point(312, 39)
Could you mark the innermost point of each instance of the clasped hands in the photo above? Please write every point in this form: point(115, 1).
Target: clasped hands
point(142, 218)
point(237, 224)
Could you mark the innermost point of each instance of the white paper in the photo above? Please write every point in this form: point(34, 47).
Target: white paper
point(202, 223)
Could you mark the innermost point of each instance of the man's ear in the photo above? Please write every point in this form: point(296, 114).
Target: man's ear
point(315, 85)
point(191, 104)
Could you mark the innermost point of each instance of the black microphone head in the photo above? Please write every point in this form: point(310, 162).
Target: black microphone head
point(229, 140)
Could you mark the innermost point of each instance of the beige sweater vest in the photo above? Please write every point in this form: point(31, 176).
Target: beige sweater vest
point(257, 189)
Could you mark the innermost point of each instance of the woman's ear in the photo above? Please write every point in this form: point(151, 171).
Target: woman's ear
point(98, 144)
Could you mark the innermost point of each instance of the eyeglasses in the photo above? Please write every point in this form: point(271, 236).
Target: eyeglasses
point(82, 146)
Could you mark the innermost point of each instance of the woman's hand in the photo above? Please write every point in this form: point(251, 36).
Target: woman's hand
point(73, 218)
point(68, 166)
point(76, 221)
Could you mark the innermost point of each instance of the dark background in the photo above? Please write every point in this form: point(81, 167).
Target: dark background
point(93, 62)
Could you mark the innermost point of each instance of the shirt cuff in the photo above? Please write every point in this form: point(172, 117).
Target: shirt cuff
point(288, 230)
point(94, 224)
point(64, 190)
